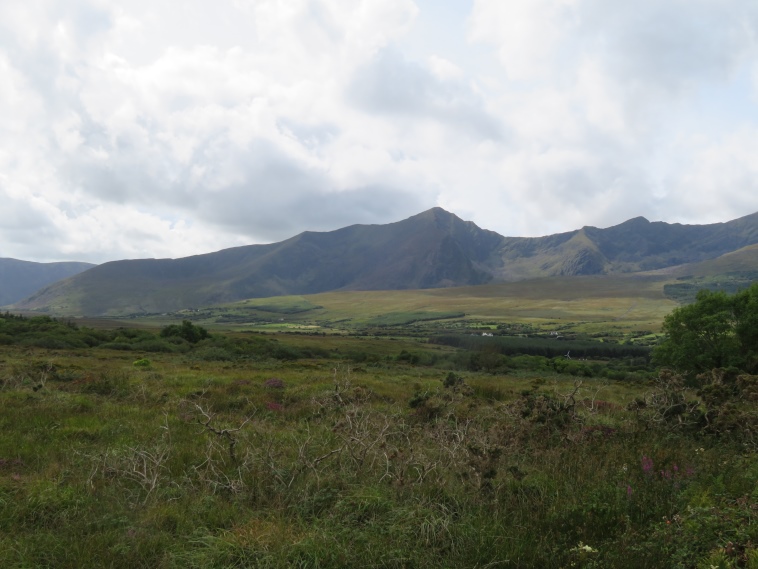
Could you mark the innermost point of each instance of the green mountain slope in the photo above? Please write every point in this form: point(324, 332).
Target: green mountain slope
point(635, 245)
point(19, 279)
point(434, 249)
point(730, 273)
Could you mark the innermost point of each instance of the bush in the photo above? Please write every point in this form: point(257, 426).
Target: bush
point(187, 330)
point(285, 353)
point(53, 343)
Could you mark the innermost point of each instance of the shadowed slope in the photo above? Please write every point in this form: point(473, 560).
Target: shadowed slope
point(19, 279)
point(433, 249)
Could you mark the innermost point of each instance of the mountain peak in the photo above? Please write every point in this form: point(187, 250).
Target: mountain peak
point(434, 248)
point(435, 213)
point(638, 221)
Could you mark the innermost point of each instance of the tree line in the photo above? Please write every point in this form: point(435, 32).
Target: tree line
point(546, 347)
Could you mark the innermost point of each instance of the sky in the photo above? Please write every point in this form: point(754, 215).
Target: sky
point(156, 128)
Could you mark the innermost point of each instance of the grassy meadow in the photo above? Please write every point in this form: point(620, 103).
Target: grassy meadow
point(613, 306)
point(359, 441)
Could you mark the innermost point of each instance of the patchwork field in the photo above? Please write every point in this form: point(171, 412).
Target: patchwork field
point(616, 306)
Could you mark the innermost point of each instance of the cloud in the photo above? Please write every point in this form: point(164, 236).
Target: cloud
point(136, 130)
point(220, 132)
point(275, 197)
point(603, 93)
point(391, 85)
point(723, 175)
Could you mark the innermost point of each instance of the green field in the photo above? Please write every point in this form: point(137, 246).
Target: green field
point(120, 447)
point(615, 307)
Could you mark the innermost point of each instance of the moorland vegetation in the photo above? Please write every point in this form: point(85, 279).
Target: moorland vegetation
point(180, 446)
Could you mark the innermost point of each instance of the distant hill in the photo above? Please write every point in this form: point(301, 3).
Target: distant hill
point(429, 250)
point(635, 245)
point(19, 279)
point(731, 272)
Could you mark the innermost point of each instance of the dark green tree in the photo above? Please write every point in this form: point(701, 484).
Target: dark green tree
point(746, 328)
point(716, 331)
point(189, 331)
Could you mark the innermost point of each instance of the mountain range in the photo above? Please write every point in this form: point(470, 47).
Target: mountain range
point(432, 249)
point(19, 279)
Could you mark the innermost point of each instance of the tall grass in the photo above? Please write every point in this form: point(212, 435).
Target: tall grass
point(272, 463)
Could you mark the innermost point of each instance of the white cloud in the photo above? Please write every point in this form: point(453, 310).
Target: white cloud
point(444, 69)
point(137, 129)
point(526, 33)
point(600, 92)
point(722, 173)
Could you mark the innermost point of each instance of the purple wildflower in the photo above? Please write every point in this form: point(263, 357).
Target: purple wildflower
point(647, 465)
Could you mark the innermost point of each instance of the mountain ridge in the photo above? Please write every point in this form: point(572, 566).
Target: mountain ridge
point(432, 249)
point(19, 279)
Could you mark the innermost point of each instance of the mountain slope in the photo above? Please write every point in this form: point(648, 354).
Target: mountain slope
point(19, 279)
point(430, 250)
point(638, 244)
point(635, 245)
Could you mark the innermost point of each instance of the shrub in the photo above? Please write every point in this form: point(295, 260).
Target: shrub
point(285, 353)
point(187, 330)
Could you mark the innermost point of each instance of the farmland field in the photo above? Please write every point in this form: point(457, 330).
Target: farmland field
point(607, 305)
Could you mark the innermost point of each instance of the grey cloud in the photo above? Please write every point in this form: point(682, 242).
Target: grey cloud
point(26, 232)
point(257, 190)
point(280, 198)
point(124, 168)
point(392, 85)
